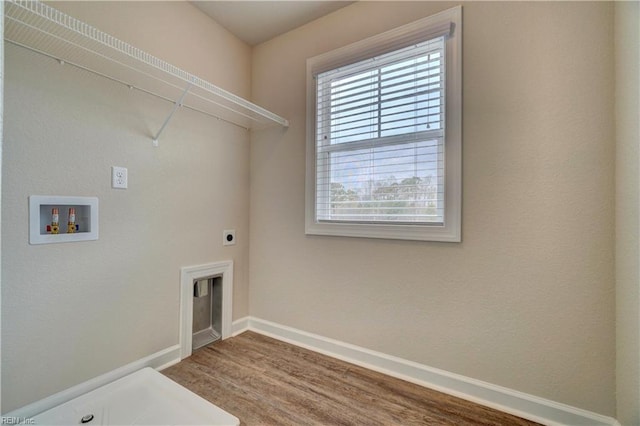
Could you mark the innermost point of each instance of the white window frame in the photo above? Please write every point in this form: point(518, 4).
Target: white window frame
point(424, 29)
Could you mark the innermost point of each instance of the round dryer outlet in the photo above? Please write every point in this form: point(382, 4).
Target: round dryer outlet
point(228, 237)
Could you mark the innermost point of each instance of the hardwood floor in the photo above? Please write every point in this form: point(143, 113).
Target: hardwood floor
point(263, 381)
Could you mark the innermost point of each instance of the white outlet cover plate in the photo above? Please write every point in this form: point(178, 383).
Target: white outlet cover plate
point(119, 177)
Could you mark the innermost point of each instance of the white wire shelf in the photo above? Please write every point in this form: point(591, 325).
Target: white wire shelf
point(43, 29)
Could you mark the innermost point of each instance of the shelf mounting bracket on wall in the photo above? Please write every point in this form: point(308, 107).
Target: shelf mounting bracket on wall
point(177, 105)
point(43, 29)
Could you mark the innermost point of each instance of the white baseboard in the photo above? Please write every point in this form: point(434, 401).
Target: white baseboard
point(240, 326)
point(159, 361)
point(507, 400)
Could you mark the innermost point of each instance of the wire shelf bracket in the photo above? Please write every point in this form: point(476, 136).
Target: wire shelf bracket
point(177, 105)
point(41, 28)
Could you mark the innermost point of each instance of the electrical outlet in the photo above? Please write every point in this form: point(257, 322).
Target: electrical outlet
point(229, 237)
point(119, 178)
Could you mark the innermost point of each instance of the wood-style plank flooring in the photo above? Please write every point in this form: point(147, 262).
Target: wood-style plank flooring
point(263, 381)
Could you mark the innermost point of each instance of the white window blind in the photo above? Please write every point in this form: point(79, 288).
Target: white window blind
point(380, 138)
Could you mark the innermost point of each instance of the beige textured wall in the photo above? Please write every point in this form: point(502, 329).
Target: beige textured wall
point(627, 91)
point(74, 311)
point(527, 299)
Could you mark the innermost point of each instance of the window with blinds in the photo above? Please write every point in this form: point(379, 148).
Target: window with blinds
point(380, 138)
point(384, 134)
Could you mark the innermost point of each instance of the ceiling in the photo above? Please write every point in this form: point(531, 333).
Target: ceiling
point(255, 22)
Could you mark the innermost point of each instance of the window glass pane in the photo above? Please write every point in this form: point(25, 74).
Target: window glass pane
point(395, 183)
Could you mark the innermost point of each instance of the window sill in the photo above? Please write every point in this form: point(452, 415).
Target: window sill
point(391, 232)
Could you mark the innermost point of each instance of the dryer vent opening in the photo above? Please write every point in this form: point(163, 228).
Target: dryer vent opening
point(207, 311)
point(206, 302)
